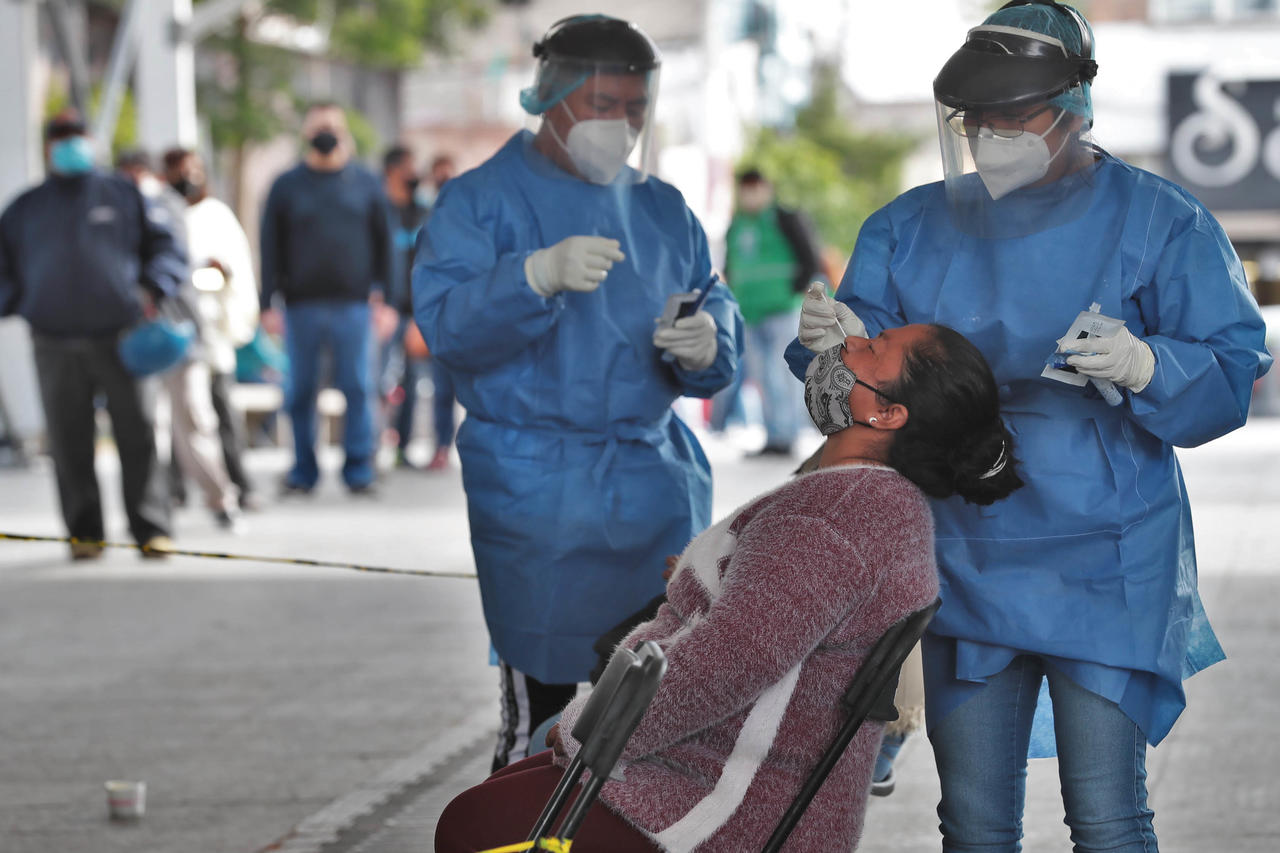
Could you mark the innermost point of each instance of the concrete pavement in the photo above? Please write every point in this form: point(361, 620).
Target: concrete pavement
point(302, 709)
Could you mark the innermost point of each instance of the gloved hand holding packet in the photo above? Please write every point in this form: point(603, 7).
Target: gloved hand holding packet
point(1099, 349)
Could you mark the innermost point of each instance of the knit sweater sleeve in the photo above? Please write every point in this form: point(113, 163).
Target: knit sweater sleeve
point(791, 579)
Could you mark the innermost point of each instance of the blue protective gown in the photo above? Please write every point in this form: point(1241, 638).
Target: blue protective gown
point(1092, 563)
point(579, 478)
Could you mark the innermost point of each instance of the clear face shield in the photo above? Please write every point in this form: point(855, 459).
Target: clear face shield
point(1015, 171)
point(596, 118)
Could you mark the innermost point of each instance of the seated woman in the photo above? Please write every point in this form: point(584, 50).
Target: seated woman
point(771, 611)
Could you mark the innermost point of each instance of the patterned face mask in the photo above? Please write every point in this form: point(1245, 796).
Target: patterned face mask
point(827, 386)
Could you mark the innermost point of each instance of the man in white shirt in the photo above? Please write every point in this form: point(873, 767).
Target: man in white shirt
point(223, 274)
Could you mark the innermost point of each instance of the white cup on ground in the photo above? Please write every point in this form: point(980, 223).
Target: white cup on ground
point(126, 800)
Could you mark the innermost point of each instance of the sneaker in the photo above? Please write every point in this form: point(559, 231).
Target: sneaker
point(771, 450)
point(440, 461)
point(290, 489)
point(882, 779)
point(157, 548)
point(249, 502)
point(363, 490)
point(86, 550)
point(403, 461)
point(883, 787)
point(231, 522)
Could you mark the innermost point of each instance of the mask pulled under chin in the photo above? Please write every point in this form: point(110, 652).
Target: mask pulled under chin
point(1005, 165)
point(828, 382)
point(599, 148)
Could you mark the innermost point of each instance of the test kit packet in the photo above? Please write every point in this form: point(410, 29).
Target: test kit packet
point(1088, 324)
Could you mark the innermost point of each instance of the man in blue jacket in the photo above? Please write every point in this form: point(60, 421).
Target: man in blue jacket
point(538, 279)
point(326, 252)
point(81, 258)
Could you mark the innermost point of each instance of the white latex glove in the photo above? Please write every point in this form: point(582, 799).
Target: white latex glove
point(575, 263)
point(692, 340)
point(818, 315)
point(1122, 358)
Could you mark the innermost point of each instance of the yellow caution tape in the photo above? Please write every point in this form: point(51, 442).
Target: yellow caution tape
point(555, 845)
point(217, 555)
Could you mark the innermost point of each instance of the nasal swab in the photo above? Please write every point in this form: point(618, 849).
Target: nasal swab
point(821, 289)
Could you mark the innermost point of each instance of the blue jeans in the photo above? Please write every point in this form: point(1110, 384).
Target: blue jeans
point(781, 396)
point(981, 752)
point(397, 369)
point(342, 329)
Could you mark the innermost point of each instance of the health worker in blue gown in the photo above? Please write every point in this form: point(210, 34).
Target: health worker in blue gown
point(538, 280)
point(1086, 577)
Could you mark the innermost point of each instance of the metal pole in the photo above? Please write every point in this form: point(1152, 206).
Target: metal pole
point(20, 164)
point(68, 32)
point(165, 78)
point(123, 51)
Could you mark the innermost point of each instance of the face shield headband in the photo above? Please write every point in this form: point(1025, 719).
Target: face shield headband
point(828, 382)
point(1009, 67)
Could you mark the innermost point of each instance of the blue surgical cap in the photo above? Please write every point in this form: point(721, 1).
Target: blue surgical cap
point(1059, 24)
point(555, 82)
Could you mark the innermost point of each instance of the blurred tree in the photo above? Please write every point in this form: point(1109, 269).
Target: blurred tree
point(251, 98)
point(824, 167)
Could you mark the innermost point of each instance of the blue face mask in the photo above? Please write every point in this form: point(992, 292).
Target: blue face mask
point(71, 156)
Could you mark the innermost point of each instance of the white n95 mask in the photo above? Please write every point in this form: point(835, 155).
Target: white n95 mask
point(1009, 164)
point(599, 147)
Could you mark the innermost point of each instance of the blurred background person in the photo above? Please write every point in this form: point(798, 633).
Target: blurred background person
point(193, 424)
point(538, 279)
point(226, 289)
point(399, 367)
point(443, 398)
point(82, 258)
point(326, 252)
point(771, 255)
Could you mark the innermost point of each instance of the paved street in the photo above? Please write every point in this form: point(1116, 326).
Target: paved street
point(308, 709)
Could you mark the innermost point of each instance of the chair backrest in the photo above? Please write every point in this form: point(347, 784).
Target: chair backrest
point(871, 687)
point(608, 718)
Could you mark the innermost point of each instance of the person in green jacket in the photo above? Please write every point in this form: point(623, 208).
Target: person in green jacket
point(770, 259)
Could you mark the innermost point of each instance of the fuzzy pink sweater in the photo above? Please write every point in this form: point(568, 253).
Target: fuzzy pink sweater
point(768, 615)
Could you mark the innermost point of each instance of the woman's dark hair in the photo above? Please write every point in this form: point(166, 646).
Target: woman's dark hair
point(954, 442)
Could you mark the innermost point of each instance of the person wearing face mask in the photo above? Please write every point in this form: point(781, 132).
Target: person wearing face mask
point(327, 256)
point(398, 371)
point(82, 258)
point(826, 562)
point(1085, 579)
point(443, 399)
point(226, 287)
point(771, 257)
point(538, 279)
point(194, 450)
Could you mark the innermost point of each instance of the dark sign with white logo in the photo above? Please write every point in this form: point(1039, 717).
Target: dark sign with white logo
point(1224, 140)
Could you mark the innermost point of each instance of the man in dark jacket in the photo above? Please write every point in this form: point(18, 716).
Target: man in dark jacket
point(326, 252)
point(82, 257)
point(399, 369)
